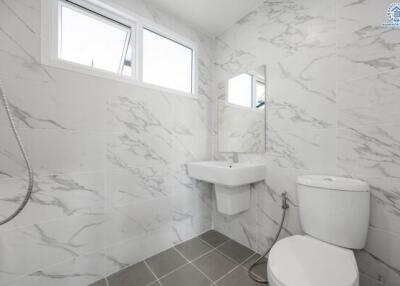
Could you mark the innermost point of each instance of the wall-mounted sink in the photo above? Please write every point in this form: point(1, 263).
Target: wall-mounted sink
point(227, 173)
point(232, 182)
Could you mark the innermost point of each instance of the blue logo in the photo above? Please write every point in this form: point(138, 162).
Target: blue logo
point(393, 14)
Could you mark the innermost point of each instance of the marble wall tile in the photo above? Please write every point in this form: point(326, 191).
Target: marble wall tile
point(136, 184)
point(370, 151)
point(128, 221)
point(384, 246)
point(12, 163)
point(365, 46)
point(82, 270)
point(191, 213)
point(332, 108)
point(372, 100)
point(305, 149)
point(95, 143)
point(376, 270)
point(55, 151)
point(385, 204)
point(126, 253)
point(53, 197)
point(27, 249)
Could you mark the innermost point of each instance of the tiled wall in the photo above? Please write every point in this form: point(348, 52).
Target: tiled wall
point(333, 74)
point(110, 181)
point(109, 157)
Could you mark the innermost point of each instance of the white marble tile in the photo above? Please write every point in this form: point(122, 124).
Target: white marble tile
point(365, 46)
point(122, 255)
point(53, 197)
point(385, 203)
point(303, 149)
point(370, 151)
point(21, 23)
point(136, 184)
point(61, 151)
point(191, 214)
point(28, 249)
point(385, 246)
point(80, 271)
point(12, 163)
point(371, 100)
point(134, 220)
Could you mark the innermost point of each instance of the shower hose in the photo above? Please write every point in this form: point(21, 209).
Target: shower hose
point(260, 260)
point(21, 148)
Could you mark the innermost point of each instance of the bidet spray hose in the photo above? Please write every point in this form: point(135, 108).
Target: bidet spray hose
point(21, 147)
point(285, 206)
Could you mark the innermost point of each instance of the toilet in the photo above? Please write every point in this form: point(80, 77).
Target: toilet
point(334, 215)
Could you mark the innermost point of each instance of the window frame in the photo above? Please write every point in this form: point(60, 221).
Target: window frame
point(254, 80)
point(178, 41)
point(50, 35)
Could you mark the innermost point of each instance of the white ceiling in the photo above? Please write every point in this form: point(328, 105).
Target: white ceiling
point(209, 16)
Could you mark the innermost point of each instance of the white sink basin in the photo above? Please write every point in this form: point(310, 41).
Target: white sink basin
point(226, 173)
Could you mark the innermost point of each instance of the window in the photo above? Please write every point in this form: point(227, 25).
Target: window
point(166, 62)
point(89, 39)
point(247, 90)
point(93, 37)
point(240, 89)
point(260, 94)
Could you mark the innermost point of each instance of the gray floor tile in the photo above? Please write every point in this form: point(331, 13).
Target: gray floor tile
point(138, 275)
point(235, 251)
point(193, 248)
point(186, 276)
point(214, 265)
point(237, 277)
point(260, 270)
point(101, 282)
point(213, 238)
point(165, 262)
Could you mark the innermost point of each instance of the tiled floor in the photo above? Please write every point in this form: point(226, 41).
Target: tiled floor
point(209, 259)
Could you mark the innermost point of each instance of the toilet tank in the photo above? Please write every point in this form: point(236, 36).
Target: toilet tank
point(334, 209)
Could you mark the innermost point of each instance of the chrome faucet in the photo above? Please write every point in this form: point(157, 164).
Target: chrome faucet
point(235, 157)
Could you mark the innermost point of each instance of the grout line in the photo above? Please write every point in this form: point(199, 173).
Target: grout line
point(105, 278)
point(226, 274)
point(155, 276)
point(176, 269)
point(212, 246)
point(239, 265)
point(190, 262)
point(246, 269)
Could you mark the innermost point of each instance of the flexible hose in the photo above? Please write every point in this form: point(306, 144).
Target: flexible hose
point(21, 148)
point(285, 206)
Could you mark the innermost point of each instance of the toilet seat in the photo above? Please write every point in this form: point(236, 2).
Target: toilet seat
point(301, 260)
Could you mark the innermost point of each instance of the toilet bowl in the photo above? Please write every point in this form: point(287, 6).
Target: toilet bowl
point(301, 260)
point(334, 215)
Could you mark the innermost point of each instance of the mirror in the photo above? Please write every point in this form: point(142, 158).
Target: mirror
point(241, 112)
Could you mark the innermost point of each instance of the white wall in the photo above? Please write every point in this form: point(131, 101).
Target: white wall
point(333, 107)
point(109, 161)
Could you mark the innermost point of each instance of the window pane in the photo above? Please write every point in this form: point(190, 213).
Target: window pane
point(91, 40)
point(240, 90)
point(166, 62)
point(260, 94)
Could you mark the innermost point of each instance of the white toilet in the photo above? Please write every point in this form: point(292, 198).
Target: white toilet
point(334, 214)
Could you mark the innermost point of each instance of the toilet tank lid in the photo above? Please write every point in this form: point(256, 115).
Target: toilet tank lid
point(332, 182)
